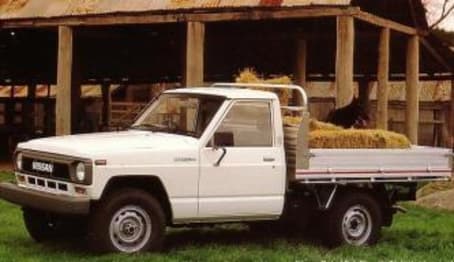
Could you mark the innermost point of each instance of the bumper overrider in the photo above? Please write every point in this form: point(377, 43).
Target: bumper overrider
point(44, 201)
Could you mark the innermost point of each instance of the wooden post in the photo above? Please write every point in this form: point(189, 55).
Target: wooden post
point(64, 81)
point(106, 105)
point(77, 107)
point(452, 114)
point(412, 96)
point(382, 79)
point(29, 109)
point(300, 67)
point(344, 60)
point(195, 46)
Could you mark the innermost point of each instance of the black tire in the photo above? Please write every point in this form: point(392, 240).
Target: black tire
point(43, 226)
point(354, 219)
point(136, 207)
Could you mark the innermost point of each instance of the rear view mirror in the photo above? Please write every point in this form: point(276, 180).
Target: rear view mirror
point(223, 139)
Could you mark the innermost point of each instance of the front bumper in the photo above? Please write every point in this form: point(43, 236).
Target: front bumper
point(44, 201)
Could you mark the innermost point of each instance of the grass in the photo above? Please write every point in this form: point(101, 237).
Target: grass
point(420, 235)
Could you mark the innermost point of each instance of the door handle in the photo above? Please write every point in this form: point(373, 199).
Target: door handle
point(224, 152)
point(269, 159)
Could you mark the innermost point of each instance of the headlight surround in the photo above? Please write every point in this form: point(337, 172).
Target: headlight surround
point(19, 161)
point(80, 172)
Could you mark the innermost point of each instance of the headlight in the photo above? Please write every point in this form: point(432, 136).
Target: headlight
point(19, 161)
point(80, 172)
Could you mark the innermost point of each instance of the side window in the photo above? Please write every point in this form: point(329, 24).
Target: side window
point(247, 124)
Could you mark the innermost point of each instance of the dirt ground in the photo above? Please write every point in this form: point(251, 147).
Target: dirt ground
point(6, 166)
point(441, 200)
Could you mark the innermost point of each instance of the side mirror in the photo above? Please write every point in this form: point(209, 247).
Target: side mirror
point(222, 139)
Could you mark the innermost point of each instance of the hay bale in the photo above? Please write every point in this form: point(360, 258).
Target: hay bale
point(438, 200)
point(313, 124)
point(352, 138)
point(249, 75)
point(434, 187)
point(326, 135)
point(292, 121)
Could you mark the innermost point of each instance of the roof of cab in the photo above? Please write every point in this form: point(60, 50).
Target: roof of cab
point(228, 92)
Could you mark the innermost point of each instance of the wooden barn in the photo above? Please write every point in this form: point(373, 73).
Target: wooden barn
point(113, 43)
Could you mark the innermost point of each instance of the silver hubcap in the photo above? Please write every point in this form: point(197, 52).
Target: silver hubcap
point(357, 225)
point(130, 229)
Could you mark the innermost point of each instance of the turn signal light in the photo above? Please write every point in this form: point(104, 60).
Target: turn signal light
point(80, 190)
point(21, 179)
point(100, 162)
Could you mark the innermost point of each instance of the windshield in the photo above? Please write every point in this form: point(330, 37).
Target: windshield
point(179, 114)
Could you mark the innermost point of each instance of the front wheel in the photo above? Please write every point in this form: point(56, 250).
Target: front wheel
point(128, 221)
point(354, 219)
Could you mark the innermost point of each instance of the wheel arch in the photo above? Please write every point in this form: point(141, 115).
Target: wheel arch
point(151, 184)
point(381, 196)
point(346, 199)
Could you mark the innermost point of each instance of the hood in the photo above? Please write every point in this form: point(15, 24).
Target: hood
point(88, 145)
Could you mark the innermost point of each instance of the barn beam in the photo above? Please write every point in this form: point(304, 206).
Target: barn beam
point(203, 15)
point(195, 49)
point(412, 96)
point(300, 67)
point(383, 79)
point(64, 81)
point(383, 22)
point(344, 60)
point(106, 105)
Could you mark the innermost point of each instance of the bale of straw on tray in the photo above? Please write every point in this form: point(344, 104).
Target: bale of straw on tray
point(313, 124)
point(353, 138)
point(326, 135)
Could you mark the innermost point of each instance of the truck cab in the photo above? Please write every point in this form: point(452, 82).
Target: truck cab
point(193, 156)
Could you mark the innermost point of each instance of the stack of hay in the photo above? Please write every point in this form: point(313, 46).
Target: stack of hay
point(325, 135)
point(248, 75)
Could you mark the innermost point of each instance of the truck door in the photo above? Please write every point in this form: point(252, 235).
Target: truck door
point(243, 175)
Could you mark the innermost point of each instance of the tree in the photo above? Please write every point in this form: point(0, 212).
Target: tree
point(439, 11)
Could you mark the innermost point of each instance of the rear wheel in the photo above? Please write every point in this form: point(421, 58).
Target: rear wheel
point(127, 221)
point(355, 219)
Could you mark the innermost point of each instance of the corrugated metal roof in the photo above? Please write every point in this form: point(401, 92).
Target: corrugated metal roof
point(11, 9)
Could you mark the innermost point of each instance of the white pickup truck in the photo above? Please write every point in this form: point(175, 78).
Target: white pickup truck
point(212, 155)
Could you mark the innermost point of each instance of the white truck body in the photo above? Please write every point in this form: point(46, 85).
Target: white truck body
point(417, 163)
point(248, 184)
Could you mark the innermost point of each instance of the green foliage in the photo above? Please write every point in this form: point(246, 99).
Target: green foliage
point(6, 176)
point(420, 235)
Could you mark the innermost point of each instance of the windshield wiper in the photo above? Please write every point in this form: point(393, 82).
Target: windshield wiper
point(144, 127)
point(185, 133)
point(158, 128)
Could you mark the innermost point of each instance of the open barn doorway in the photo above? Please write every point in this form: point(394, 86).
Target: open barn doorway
point(27, 71)
point(112, 66)
point(131, 65)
